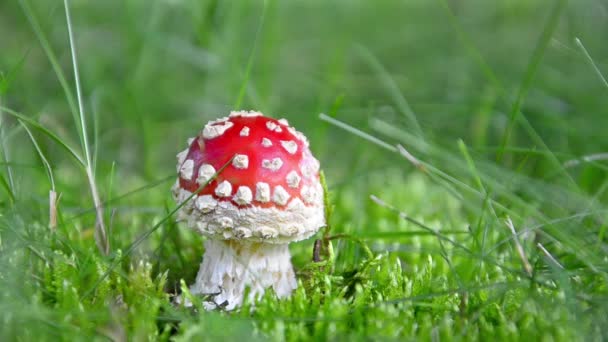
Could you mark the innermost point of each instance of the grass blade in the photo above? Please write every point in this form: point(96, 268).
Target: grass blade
point(46, 46)
point(533, 65)
point(45, 161)
point(357, 132)
point(591, 62)
point(392, 87)
point(101, 234)
point(53, 199)
point(7, 188)
point(47, 132)
point(5, 81)
point(258, 34)
point(491, 76)
point(5, 157)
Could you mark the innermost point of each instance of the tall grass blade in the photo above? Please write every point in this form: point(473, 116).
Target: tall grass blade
point(591, 62)
point(5, 81)
point(46, 46)
point(357, 132)
point(258, 34)
point(533, 65)
point(100, 229)
point(491, 76)
point(392, 87)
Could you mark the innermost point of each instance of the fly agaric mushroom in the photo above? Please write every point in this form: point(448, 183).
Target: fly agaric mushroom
point(267, 196)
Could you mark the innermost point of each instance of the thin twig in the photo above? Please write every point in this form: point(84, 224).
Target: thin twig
point(586, 159)
point(53, 201)
point(548, 255)
point(518, 246)
point(405, 153)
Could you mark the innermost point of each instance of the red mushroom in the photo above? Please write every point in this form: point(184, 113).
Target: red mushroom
point(269, 196)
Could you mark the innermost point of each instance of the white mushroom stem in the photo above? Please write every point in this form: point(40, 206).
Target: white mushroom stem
point(230, 266)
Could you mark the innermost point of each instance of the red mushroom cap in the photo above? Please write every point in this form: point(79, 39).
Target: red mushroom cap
point(271, 171)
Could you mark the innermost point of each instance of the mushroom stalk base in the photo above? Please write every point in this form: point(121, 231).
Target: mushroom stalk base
point(230, 266)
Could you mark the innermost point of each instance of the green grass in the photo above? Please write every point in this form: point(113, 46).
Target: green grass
point(463, 142)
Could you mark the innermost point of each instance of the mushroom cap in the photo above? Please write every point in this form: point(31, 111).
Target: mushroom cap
point(270, 190)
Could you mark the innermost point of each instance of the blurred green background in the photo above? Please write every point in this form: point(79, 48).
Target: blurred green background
point(497, 97)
